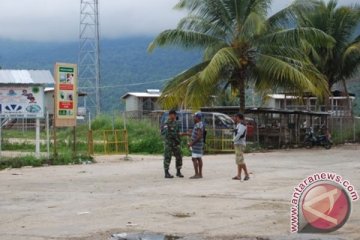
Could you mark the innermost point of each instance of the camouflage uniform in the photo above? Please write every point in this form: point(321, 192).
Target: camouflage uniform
point(171, 134)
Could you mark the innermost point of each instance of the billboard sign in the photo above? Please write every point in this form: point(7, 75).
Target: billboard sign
point(22, 101)
point(65, 94)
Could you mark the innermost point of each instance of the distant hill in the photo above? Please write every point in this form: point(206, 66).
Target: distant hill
point(125, 63)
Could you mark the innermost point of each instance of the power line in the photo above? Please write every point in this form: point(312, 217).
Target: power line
point(127, 85)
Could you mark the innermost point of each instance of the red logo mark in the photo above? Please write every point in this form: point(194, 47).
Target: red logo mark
point(326, 207)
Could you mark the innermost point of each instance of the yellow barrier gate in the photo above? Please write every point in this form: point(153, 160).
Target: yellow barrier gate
point(219, 140)
point(108, 142)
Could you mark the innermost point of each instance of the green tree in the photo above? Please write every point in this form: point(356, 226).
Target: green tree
point(341, 61)
point(241, 46)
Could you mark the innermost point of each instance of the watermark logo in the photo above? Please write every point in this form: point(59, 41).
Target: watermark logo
point(321, 203)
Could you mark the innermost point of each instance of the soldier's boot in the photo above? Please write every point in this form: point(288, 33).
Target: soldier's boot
point(178, 174)
point(167, 174)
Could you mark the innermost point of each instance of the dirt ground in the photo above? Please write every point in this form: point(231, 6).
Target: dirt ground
point(114, 196)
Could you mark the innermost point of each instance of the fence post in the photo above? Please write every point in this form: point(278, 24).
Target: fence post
point(37, 138)
point(341, 131)
point(126, 143)
point(23, 126)
point(89, 120)
point(124, 114)
point(354, 129)
point(74, 143)
point(55, 140)
point(47, 135)
point(90, 143)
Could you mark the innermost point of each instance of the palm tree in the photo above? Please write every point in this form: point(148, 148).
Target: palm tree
point(342, 60)
point(241, 46)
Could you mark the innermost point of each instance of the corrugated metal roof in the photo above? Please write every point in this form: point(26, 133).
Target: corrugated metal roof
point(234, 109)
point(26, 77)
point(281, 96)
point(141, 94)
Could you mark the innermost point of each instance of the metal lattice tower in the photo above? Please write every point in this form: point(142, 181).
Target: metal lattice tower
point(89, 59)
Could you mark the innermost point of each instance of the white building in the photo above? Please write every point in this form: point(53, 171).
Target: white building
point(22, 95)
point(49, 102)
point(142, 102)
point(339, 103)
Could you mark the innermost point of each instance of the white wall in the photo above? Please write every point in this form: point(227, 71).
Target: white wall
point(132, 104)
point(270, 103)
point(49, 101)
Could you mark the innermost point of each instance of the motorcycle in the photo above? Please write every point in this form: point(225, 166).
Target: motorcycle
point(312, 139)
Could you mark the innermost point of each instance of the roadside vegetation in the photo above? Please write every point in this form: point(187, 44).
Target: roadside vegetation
point(347, 134)
point(143, 137)
point(31, 160)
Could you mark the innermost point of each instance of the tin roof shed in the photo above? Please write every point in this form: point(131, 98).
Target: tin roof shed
point(42, 77)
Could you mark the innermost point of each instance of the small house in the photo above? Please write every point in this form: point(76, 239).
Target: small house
point(140, 103)
point(22, 96)
point(340, 105)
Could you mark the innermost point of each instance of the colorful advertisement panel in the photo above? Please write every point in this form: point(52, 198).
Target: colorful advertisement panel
point(22, 101)
point(65, 94)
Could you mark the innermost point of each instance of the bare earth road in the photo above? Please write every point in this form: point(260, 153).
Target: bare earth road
point(114, 196)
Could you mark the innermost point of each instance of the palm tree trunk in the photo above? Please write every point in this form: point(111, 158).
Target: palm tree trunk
point(242, 94)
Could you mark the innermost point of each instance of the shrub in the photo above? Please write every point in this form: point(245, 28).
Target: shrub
point(144, 138)
point(19, 162)
point(30, 160)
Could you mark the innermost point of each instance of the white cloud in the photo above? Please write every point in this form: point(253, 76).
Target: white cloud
point(146, 17)
point(58, 20)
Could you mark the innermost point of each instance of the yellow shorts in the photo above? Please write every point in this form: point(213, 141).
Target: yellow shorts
point(239, 154)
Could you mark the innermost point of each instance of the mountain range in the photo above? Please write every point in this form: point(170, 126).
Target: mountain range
point(125, 64)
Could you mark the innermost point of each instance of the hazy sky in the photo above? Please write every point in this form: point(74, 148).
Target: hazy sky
point(58, 20)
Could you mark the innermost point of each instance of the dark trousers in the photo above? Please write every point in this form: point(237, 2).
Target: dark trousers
point(169, 151)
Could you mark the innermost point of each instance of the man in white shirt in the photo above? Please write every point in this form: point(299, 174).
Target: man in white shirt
point(239, 145)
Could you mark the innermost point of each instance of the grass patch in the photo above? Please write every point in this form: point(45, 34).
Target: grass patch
point(340, 137)
point(143, 137)
point(25, 146)
point(253, 147)
point(18, 162)
point(30, 160)
point(26, 134)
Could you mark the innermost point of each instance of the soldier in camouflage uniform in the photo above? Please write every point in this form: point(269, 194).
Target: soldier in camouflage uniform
point(171, 133)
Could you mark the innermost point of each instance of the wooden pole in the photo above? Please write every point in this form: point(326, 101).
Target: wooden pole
point(90, 143)
point(55, 140)
point(37, 138)
point(47, 135)
point(74, 142)
point(54, 121)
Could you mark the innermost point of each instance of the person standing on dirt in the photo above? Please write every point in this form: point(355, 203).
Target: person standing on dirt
point(239, 145)
point(171, 133)
point(197, 145)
